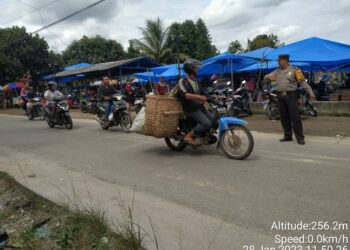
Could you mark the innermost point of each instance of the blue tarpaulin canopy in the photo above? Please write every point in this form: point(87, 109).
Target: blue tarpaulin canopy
point(257, 54)
point(161, 69)
point(171, 73)
point(147, 76)
point(271, 65)
point(78, 66)
point(224, 63)
point(314, 50)
point(68, 78)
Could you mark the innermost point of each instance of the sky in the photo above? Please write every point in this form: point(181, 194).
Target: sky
point(227, 20)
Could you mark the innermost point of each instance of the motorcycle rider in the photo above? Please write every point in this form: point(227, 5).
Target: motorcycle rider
point(105, 92)
point(30, 95)
point(50, 94)
point(192, 98)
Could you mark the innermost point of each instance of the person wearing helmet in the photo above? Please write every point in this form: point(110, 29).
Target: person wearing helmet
point(50, 94)
point(29, 97)
point(192, 98)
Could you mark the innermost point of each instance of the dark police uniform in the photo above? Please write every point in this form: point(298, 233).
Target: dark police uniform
point(287, 82)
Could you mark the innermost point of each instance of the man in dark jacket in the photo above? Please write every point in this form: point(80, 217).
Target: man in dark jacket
point(105, 93)
point(192, 99)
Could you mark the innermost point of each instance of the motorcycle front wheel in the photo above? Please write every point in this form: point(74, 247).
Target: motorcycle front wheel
point(125, 123)
point(83, 107)
point(237, 142)
point(68, 123)
point(41, 114)
point(312, 111)
point(271, 112)
point(138, 108)
point(31, 116)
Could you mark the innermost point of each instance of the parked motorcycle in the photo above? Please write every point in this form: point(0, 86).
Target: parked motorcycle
point(89, 105)
point(270, 104)
point(71, 100)
point(62, 117)
point(233, 137)
point(219, 104)
point(36, 110)
point(241, 101)
point(119, 114)
point(305, 106)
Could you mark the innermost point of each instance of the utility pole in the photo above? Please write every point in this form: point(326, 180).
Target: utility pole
point(177, 52)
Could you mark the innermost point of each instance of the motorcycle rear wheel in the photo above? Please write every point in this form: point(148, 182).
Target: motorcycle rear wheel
point(233, 139)
point(174, 144)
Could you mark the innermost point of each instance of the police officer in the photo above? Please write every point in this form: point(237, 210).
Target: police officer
point(287, 80)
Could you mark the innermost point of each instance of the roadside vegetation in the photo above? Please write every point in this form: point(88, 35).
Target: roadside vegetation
point(28, 221)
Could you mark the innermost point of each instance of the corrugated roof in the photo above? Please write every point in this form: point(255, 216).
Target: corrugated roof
point(106, 66)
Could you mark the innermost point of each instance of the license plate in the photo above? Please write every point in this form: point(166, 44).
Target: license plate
point(221, 109)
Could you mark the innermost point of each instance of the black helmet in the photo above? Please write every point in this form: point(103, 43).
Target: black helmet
point(51, 84)
point(190, 65)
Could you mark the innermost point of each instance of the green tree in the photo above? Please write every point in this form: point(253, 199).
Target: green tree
point(264, 40)
point(55, 61)
point(133, 50)
point(193, 40)
point(204, 47)
point(21, 52)
point(235, 47)
point(177, 41)
point(93, 50)
point(153, 41)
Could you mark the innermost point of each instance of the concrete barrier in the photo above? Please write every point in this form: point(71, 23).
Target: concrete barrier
point(323, 108)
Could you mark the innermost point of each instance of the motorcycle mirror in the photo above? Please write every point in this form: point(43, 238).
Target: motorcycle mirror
point(244, 82)
point(215, 82)
point(228, 83)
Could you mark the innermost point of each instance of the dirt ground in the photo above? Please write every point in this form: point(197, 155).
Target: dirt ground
point(318, 126)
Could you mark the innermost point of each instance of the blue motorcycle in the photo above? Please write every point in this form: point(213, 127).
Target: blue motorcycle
point(230, 134)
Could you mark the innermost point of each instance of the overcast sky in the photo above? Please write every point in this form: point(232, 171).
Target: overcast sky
point(227, 20)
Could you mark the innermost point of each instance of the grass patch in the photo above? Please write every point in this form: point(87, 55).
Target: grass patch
point(33, 222)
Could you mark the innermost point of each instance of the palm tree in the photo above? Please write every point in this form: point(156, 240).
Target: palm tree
point(153, 41)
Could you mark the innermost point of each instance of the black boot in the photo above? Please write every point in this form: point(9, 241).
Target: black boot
point(284, 139)
point(301, 141)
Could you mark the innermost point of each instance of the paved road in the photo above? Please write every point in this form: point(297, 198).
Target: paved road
point(278, 181)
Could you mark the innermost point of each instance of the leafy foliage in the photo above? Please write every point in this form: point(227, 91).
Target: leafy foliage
point(133, 50)
point(264, 40)
point(21, 52)
point(153, 41)
point(235, 47)
point(193, 40)
point(93, 50)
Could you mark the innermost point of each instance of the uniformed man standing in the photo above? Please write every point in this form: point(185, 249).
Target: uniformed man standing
point(288, 78)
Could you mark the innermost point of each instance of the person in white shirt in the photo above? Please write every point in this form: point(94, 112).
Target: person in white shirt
point(50, 94)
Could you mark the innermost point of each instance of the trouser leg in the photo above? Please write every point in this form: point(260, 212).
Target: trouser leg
point(284, 116)
point(203, 120)
point(106, 106)
point(294, 115)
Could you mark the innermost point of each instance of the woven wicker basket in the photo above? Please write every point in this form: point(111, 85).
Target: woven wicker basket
point(162, 116)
